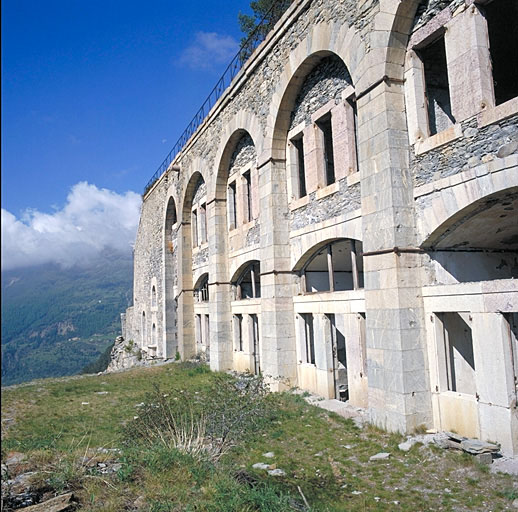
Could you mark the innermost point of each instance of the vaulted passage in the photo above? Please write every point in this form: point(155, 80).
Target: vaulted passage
point(480, 243)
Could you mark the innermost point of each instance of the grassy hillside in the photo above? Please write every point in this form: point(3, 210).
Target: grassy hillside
point(148, 439)
point(55, 321)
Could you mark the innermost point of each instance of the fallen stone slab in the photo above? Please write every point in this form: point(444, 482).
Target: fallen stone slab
point(276, 472)
point(380, 456)
point(58, 504)
point(475, 446)
point(269, 455)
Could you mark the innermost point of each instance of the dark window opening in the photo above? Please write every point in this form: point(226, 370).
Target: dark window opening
point(437, 89)
point(309, 337)
point(255, 340)
point(335, 267)
point(502, 25)
point(248, 193)
point(201, 293)
point(194, 222)
point(203, 222)
point(327, 136)
point(354, 107)
point(301, 171)
point(238, 326)
point(248, 286)
point(232, 214)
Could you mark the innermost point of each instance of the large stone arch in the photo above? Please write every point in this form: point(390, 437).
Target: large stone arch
point(186, 338)
point(240, 123)
point(444, 207)
point(169, 286)
point(392, 27)
point(474, 234)
point(303, 245)
point(321, 41)
point(219, 282)
point(197, 167)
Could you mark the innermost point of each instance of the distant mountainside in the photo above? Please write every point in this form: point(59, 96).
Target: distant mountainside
point(56, 321)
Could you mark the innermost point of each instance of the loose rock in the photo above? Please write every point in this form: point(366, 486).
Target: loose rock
point(380, 456)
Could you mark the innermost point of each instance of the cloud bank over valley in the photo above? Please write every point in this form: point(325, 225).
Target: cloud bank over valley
point(92, 221)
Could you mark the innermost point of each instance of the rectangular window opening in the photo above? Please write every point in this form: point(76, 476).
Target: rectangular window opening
point(502, 25)
point(309, 337)
point(327, 136)
point(437, 89)
point(203, 222)
point(248, 196)
point(238, 332)
point(194, 227)
point(354, 107)
point(301, 171)
point(458, 352)
point(232, 211)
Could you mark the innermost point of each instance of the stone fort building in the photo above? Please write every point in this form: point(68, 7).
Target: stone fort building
point(345, 218)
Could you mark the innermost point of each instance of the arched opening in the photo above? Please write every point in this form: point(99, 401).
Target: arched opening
point(201, 289)
point(170, 279)
point(242, 183)
point(201, 316)
point(479, 243)
point(153, 297)
point(330, 327)
point(470, 305)
point(153, 348)
point(333, 267)
point(246, 309)
point(143, 330)
point(193, 255)
point(318, 121)
point(246, 283)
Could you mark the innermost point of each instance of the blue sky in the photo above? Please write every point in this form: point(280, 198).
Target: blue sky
point(99, 91)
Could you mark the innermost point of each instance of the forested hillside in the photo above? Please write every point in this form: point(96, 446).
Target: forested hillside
point(56, 321)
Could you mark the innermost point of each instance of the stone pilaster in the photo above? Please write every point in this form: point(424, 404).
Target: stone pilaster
point(277, 325)
point(399, 396)
point(219, 288)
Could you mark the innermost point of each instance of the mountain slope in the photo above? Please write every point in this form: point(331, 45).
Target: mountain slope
point(55, 321)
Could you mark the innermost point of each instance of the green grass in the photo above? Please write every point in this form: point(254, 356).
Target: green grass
point(55, 430)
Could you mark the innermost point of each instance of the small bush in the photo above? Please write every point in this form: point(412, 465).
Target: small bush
point(203, 424)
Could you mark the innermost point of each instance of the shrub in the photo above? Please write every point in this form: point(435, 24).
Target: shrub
point(203, 424)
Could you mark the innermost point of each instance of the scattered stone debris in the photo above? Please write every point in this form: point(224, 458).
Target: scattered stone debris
point(380, 456)
point(450, 440)
point(261, 465)
point(276, 472)
point(507, 465)
point(269, 455)
point(101, 392)
point(407, 445)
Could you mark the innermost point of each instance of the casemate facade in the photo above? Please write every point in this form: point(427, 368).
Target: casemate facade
point(345, 220)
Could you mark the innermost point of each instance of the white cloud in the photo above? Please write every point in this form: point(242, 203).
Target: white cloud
point(207, 49)
point(92, 221)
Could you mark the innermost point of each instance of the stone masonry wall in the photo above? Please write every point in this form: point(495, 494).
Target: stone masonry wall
point(324, 83)
point(476, 146)
point(243, 154)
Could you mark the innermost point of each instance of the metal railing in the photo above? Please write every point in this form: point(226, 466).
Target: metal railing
point(256, 37)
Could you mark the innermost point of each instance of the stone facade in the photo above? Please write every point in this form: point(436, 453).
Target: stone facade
point(345, 219)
